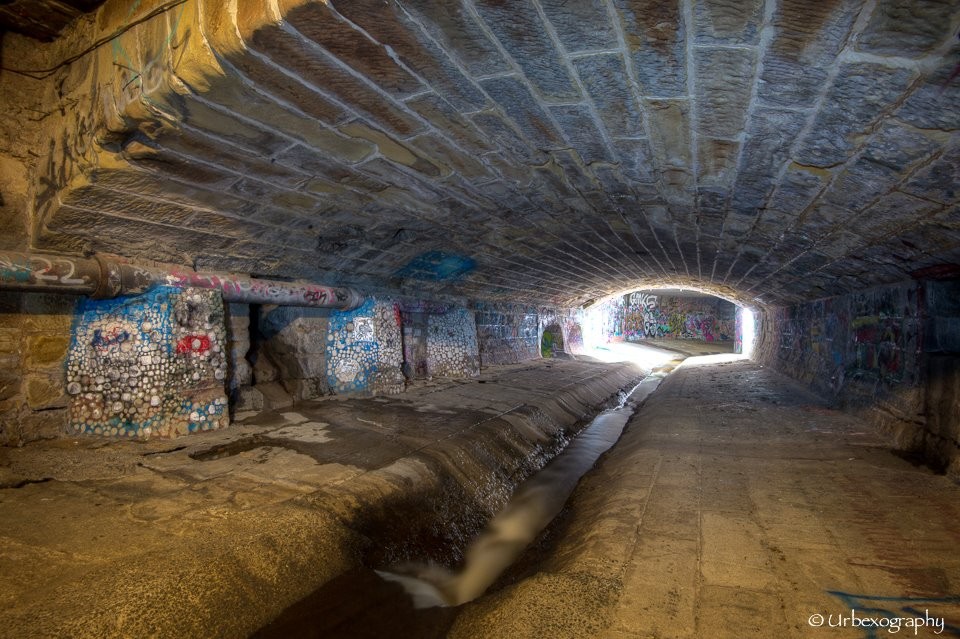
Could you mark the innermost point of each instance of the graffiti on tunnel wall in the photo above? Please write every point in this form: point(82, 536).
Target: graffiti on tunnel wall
point(149, 366)
point(643, 315)
point(870, 335)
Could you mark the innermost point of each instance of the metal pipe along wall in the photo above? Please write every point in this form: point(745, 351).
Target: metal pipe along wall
point(104, 278)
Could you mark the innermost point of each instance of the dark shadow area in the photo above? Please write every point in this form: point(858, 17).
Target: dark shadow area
point(359, 605)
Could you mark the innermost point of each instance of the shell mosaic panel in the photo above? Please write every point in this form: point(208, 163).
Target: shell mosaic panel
point(149, 366)
point(364, 349)
point(452, 344)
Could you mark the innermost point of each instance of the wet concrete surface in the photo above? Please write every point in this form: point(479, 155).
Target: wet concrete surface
point(738, 505)
point(214, 534)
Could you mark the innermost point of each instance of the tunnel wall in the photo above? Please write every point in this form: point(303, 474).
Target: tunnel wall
point(507, 334)
point(196, 357)
point(888, 353)
point(34, 342)
point(649, 315)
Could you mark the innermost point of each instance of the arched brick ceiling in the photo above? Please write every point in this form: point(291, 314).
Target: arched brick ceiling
point(542, 151)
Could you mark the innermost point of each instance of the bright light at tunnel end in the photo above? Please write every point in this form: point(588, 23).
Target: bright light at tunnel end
point(748, 328)
point(648, 357)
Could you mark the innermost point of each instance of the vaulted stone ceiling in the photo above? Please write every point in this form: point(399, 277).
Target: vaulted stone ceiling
point(544, 151)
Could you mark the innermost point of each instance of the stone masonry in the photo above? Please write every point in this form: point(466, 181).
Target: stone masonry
point(537, 151)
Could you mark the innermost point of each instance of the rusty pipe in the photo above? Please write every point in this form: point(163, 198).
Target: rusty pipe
point(104, 278)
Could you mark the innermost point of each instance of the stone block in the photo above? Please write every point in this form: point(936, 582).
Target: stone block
point(797, 189)
point(45, 350)
point(807, 37)
point(459, 34)
point(899, 147)
point(10, 383)
point(520, 31)
point(275, 396)
point(605, 79)
point(581, 26)
point(46, 424)
point(47, 312)
point(937, 181)
point(728, 21)
point(248, 399)
point(931, 105)
point(656, 40)
point(522, 107)
point(724, 84)
point(578, 127)
point(44, 391)
point(858, 97)
point(909, 29)
point(717, 161)
point(306, 388)
point(319, 23)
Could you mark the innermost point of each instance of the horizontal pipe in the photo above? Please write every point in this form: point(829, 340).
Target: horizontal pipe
point(103, 278)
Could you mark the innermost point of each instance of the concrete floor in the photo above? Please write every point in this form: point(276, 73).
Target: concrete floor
point(213, 534)
point(735, 505)
point(738, 505)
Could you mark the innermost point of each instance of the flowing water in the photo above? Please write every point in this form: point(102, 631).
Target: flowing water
point(420, 600)
point(533, 506)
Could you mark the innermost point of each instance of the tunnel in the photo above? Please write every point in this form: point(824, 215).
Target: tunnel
point(472, 318)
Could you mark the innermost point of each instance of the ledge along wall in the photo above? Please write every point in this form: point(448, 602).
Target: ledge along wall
point(175, 361)
point(891, 354)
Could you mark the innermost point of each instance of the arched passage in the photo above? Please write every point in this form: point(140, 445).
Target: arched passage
point(551, 342)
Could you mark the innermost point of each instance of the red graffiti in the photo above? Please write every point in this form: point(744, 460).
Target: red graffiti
point(397, 315)
point(193, 344)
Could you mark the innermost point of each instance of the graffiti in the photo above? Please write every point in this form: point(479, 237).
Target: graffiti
point(552, 341)
point(437, 266)
point(643, 300)
point(574, 337)
point(451, 344)
point(317, 296)
point(363, 329)
point(639, 316)
point(871, 335)
point(364, 350)
point(907, 612)
point(347, 370)
point(193, 344)
point(25, 268)
point(151, 365)
point(109, 338)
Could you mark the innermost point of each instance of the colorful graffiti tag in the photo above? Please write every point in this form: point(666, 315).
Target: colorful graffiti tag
point(641, 315)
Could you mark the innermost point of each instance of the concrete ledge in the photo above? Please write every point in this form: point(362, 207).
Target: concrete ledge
point(213, 535)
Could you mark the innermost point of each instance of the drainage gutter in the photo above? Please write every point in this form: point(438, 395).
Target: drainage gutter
point(104, 278)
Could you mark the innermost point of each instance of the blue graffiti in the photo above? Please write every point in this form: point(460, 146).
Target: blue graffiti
point(437, 266)
point(356, 361)
point(898, 608)
point(103, 342)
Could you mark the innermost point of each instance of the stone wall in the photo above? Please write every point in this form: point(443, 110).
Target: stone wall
point(452, 344)
point(890, 353)
point(650, 315)
point(34, 341)
point(292, 345)
point(507, 334)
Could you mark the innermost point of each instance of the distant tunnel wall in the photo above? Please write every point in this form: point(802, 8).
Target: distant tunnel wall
point(651, 315)
point(890, 353)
